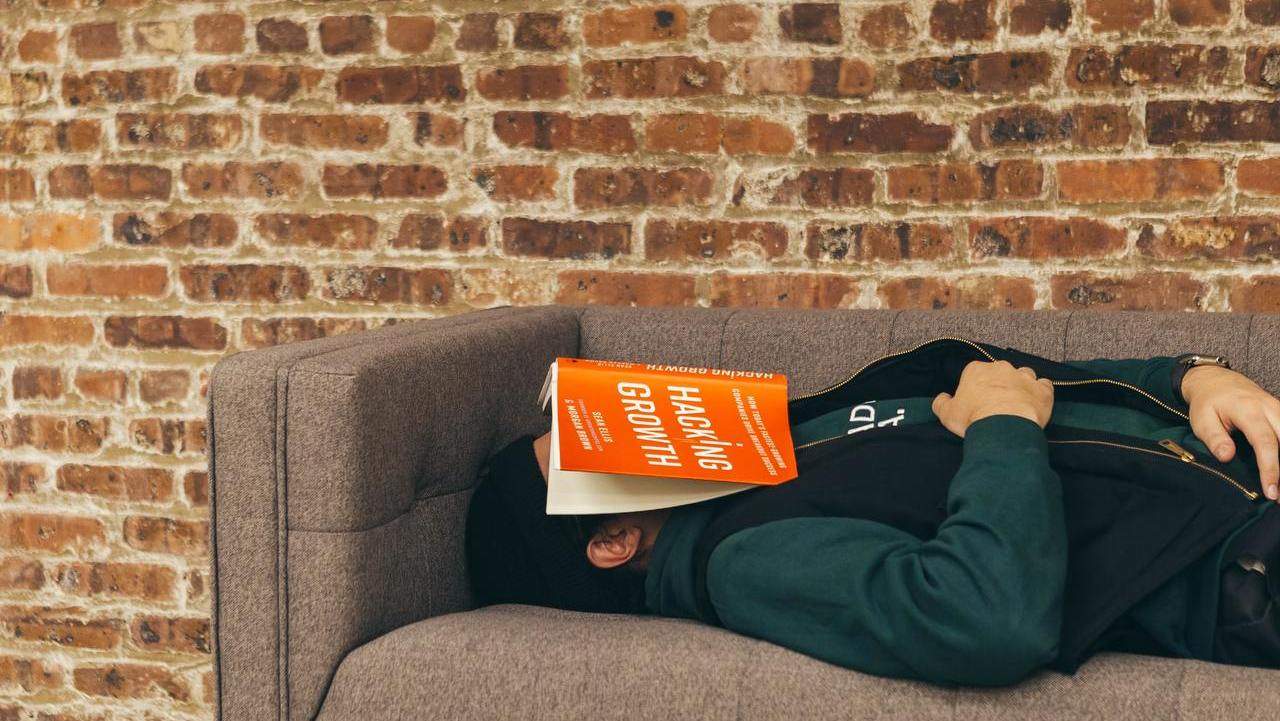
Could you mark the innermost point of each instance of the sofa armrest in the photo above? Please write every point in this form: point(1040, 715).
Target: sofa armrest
point(340, 473)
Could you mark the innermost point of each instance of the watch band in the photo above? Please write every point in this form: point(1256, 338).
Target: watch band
point(1186, 362)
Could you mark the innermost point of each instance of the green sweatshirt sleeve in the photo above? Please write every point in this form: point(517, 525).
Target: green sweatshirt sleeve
point(1153, 375)
point(979, 603)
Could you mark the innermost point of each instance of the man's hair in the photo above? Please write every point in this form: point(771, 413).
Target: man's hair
point(517, 553)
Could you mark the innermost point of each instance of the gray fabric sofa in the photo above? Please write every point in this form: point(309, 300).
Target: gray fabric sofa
point(341, 471)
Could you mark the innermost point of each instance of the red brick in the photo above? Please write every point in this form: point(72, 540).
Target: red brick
point(112, 281)
point(264, 181)
point(1209, 121)
point(245, 282)
point(31, 382)
point(593, 287)
point(1214, 238)
point(383, 181)
point(110, 182)
point(1006, 72)
point(17, 185)
point(106, 386)
point(1148, 65)
point(565, 239)
point(661, 77)
point(1119, 15)
point(122, 483)
point(1259, 176)
point(337, 231)
point(410, 33)
point(15, 281)
point(165, 332)
point(1142, 291)
point(871, 133)
point(53, 433)
point(1262, 12)
point(888, 26)
point(17, 478)
point(280, 35)
point(1254, 294)
point(169, 229)
point(44, 330)
point(1041, 238)
point(420, 231)
point(506, 183)
point(561, 131)
point(782, 290)
point(51, 533)
point(478, 33)
point(220, 33)
point(100, 87)
point(38, 46)
point(168, 435)
point(343, 132)
point(132, 681)
point(1194, 13)
point(1137, 181)
point(96, 41)
point(955, 20)
point(264, 332)
point(620, 187)
point(29, 675)
point(22, 137)
point(863, 242)
point(825, 188)
point(163, 386)
point(525, 82)
point(964, 182)
point(983, 292)
point(1033, 126)
point(817, 23)
point(49, 626)
point(1262, 67)
point(195, 484)
point(819, 77)
point(702, 240)
point(756, 136)
point(164, 634)
point(346, 34)
point(635, 25)
point(437, 129)
point(167, 535)
point(1032, 17)
point(20, 574)
point(540, 31)
point(733, 23)
point(269, 83)
point(683, 132)
point(418, 286)
point(49, 231)
point(116, 580)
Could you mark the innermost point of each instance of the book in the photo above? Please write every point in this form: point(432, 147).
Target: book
point(639, 436)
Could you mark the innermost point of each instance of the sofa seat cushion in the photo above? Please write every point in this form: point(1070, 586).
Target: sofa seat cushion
point(525, 662)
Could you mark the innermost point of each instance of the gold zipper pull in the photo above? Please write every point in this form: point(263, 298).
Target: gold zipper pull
point(1177, 450)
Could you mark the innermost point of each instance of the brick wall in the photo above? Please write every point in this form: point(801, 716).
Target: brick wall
point(185, 179)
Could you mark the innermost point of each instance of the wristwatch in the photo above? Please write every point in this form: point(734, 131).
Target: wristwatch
point(1187, 361)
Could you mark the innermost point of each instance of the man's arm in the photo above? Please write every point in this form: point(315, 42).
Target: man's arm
point(979, 603)
point(1153, 375)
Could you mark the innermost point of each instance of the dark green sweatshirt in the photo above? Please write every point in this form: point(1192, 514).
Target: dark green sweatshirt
point(981, 602)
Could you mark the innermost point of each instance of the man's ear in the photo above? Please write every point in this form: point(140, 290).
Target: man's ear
point(613, 545)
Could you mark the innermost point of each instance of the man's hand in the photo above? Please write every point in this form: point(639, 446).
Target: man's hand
point(1223, 400)
point(995, 388)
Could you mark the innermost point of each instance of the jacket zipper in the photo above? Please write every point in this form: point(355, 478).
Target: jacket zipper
point(1178, 451)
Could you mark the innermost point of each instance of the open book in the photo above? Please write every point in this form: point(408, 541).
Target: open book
point(638, 436)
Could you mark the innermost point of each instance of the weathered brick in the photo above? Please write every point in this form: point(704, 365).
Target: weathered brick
point(44, 330)
point(419, 231)
point(32, 382)
point(703, 240)
point(576, 239)
point(49, 625)
point(49, 231)
point(346, 34)
point(506, 183)
point(113, 280)
point(38, 46)
point(1254, 294)
point(132, 681)
point(524, 82)
point(171, 229)
point(618, 187)
point(235, 179)
point(1032, 17)
point(155, 534)
point(592, 287)
point(782, 290)
point(1032, 126)
point(1005, 72)
point(1212, 121)
point(51, 533)
point(123, 483)
point(1140, 291)
point(17, 477)
point(539, 31)
point(733, 23)
point(1119, 15)
point(23, 88)
point(661, 77)
point(1136, 181)
point(411, 33)
point(982, 292)
point(125, 181)
point(164, 634)
point(955, 20)
point(101, 87)
point(29, 675)
point(964, 182)
point(54, 433)
point(269, 83)
point(437, 129)
point(756, 136)
point(1193, 13)
point(704, 133)
point(478, 33)
point(417, 286)
point(161, 37)
point(1262, 67)
point(871, 133)
point(1263, 12)
point(264, 332)
point(245, 282)
point(864, 242)
point(1217, 238)
point(195, 485)
point(15, 281)
point(336, 231)
point(19, 574)
point(561, 131)
point(95, 41)
point(819, 188)
point(635, 25)
point(168, 435)
point(1041, 238)
point(817, 23)
point(164, 386)
point(383, 181)
point(161, 331)
point(343, 132)
point(280, 35)
point(1147, 65)
point(1259, 176)
point(17, 185)
point(102, 385)
point(819, 77)
point(220, 33)
point(888, 26)
point(23, 137)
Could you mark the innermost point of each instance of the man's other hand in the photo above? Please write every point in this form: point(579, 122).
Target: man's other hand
point(989, 388)
point(1223, 400)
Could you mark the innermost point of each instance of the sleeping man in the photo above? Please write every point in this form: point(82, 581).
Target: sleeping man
point(962, 537)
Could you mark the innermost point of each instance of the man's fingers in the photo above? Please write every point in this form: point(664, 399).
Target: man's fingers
point(1262, 437)
point(939, 402)
point(1211, 431)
